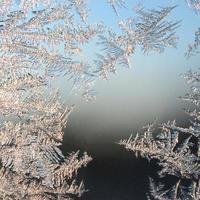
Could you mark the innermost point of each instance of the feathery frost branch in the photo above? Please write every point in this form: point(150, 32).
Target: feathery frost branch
point(36, 47)
point(194, 4)
point(150, 31)
point(193, 49)
point(179, 191)
point(176, 150)
point(117, 4)
point(41, 41)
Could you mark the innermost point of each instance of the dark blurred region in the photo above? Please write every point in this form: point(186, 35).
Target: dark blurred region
point(114, 173)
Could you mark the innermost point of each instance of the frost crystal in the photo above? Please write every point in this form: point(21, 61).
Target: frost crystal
point(195, 4)
point(150, 31)
point(176, 150)
point(193, 49)
point(36, 47)
point(117, 4)
point(41, 41)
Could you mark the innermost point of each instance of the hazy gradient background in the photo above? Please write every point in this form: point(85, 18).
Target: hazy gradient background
point(129, 100)
point(150, 89)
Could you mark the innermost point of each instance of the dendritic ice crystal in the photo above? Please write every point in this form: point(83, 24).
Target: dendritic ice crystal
point(151, 31)
point(176, 150)
point(195, 4)
point(35, 49)
point(41, 41)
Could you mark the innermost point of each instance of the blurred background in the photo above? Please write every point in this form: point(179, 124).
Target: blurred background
point(127, 101)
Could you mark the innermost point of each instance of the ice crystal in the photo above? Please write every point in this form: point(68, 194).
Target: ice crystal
point(176, 192)
point(150, 31)
point(36, 47)
point(117, 4)
point(41, 41)
point(194, 4)
point(193, 49)
point(176, 150)
point(174, 156)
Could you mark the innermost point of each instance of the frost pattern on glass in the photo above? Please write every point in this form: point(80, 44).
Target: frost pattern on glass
point(176, 150)
point(41, 41)
point(194, 49)
point(150, 31)
point(194, 4)
point(117, 4)
point(36, 47)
